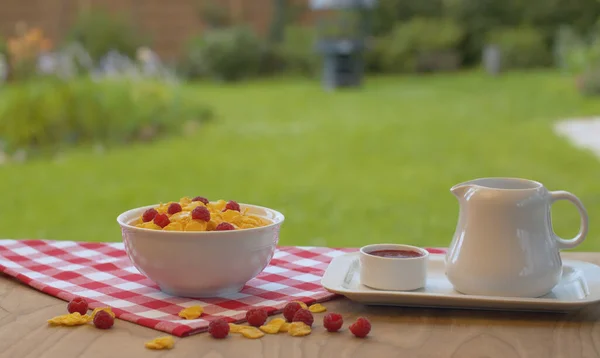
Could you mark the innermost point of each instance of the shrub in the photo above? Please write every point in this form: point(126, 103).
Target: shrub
point(375, 54)
point(271, 61)
point(589, 81)
point(575, 53)
point(422, 45)
point(298, 52)
point(227, 54)
point(46, 115)
point(580, 55)
point(214, 14)
point(478, 17)
point(387, 13)
point(100, 32)
point(520, 47)
point(23, 51)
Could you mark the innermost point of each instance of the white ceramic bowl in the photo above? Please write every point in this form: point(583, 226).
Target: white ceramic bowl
point(201, 263)
point(391, 273)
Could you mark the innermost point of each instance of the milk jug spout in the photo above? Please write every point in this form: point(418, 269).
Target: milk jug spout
point(460, 190)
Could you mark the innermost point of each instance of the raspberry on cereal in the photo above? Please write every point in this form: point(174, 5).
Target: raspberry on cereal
point(103, 320)
point(290, 310)
point(232, 205)
point(149, 215)
point(201, 213)
point(361, 327)
point(199, 198)
point(305, 316)
point(333, 322)
point(162, 220)
point(219, 328)
point(78, 304)
point(174, 208)
point(256, 317)
point(224, 226)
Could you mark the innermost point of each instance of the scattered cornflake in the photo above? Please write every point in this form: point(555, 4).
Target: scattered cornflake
point(302, 304)
point(251, 332)
point(192, 312)
point(317, 308)
point(284, 327)
point(166, 342)
point(98, 309)
point(71, 319)
point(299, 329)
point(273, 326)
point(235, 328)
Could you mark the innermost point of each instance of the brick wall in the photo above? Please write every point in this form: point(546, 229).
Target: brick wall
point(169, 23)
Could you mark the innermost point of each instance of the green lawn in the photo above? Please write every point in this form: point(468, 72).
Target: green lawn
point(346, 168)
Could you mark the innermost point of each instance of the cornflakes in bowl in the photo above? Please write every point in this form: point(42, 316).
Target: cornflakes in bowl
point(194, 215)
point(200, 248)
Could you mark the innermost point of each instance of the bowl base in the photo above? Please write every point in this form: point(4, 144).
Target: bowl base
point(196, 293)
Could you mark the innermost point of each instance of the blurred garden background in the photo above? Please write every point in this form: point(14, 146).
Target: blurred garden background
point(112, 104)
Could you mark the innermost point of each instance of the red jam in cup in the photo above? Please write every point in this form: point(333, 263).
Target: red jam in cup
point(396, 254)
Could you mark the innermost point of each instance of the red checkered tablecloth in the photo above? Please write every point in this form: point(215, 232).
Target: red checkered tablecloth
point(104, 275)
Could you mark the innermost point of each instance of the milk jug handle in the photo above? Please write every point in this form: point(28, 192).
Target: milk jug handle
point(583, 225)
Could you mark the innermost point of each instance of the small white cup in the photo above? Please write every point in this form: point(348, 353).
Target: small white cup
point(393, 273)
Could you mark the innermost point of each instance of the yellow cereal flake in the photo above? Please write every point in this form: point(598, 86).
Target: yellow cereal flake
point(98, 309)
point(211, 225)
point(196, 225)
point(231, 216)
point(285, 327)
point(273, 326)
point(235, 328)
point(191, 312)
point(299, 329)
point(71, 319)
point(251, 332)
point(302, 304)
point(181, 216)
point(174, 226)
point(217, 206)
point(166, 342)
point(185, 201)
point(317, 308)
point(249, 220)
point(149, 225)
point(163, 208)
point(191, 206)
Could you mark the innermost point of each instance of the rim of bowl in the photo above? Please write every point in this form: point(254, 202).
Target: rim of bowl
point(366, 250)
point(276, 220)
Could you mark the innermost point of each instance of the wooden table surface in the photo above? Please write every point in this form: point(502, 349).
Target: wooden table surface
point(397, 332)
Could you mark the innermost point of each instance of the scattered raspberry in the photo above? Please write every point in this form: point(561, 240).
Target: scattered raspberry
point(174, 208)
point(162, 220)
point(361, 327)
point(256, 317)
point(78, 304)
point(333, 322)
point(305, 316)
point(224, 226)
point(201, 213)
point(290, 310)
point(199, 198)
point(149, 215)
point(218, 328)
point(103, 320)
point(232, 205)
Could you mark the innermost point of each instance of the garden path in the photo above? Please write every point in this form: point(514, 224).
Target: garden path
point(582, 132)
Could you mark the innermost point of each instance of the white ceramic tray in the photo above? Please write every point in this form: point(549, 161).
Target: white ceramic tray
point(578, 287)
